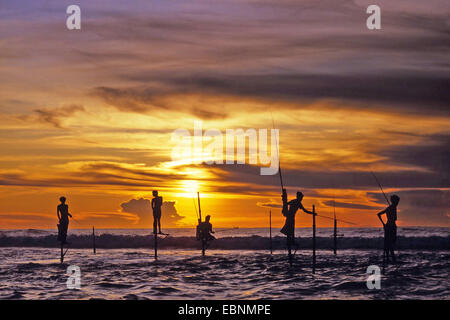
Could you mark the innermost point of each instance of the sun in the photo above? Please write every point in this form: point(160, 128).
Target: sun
point(189, 188)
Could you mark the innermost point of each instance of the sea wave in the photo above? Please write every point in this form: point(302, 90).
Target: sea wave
point(109, 241)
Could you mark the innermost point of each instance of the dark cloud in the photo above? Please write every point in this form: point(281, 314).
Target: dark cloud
point(132, 100)
point(265, 49)
point(422, 207)
point(57, 115)
point(249, 49)
point(142, 208)
point(396, 92)
point(94, 174)
point(145, 100)
point(338, 204)
point(269, 205)
point(320, 179)
point(432, 154)
point(405, 92)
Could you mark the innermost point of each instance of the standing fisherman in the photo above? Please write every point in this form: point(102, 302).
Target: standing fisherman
point(62, 211)
point(157, 202)
point(289, 210)
point(390, 227)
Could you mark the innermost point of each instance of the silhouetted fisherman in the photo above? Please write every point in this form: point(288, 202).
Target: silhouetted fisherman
point(63, 214)
point(204, 230)
point(390, 227)
point(157, 202)
point(289, 210)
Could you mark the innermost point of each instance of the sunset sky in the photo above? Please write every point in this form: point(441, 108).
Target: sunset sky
point(89, 113)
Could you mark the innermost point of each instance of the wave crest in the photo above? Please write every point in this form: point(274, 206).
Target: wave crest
point(109, 241)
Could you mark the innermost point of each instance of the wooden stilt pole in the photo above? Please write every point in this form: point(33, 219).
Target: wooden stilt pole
point(155, 235)
point(62, 252)
point(290, 240)
point(200, 221)
point(93, 239)
point(335, 236)
point(314, 240)
point(203, 247)
point(270, 229)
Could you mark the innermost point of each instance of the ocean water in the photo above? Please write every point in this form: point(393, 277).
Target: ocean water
point(238, 265)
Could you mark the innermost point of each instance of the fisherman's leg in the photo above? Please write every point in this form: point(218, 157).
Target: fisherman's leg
point(155, 219)
point(394, 240)
point(385, 249)
point(64, 228)
point(159, 223)
point(391, 250)
point(290, 240)
point(393, 255)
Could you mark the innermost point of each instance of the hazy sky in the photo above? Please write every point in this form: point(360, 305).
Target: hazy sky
point(89, 114)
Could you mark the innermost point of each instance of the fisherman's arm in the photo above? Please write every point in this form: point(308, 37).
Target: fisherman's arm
point(305, 210)
point(284, 196)
point(57, 213)
point(379, 215)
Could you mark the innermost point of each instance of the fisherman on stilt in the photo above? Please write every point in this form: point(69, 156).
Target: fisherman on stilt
point(204, 232)
point(62, 211)
point(289, 210)
point(157, 202)
point(390, 227)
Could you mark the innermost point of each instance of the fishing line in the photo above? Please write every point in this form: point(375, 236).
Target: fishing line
point(340, 220)
point(75, 220)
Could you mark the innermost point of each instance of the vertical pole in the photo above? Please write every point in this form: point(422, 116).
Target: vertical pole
point(270, 229)
point(314, 240)
point(289, 243)
point(199, 221)
point(199, 208)
point(203, 247)
point(155, 235)
point(335, 236)
point(62, 252)
point(93, 239)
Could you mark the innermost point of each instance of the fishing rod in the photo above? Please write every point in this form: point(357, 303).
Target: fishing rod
point(281, 177)
point(195, 207)
point(289, 245)
point(199, 208)
point(278, 154)
point(385, 253)
point(204, 241)
point(381, 188)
